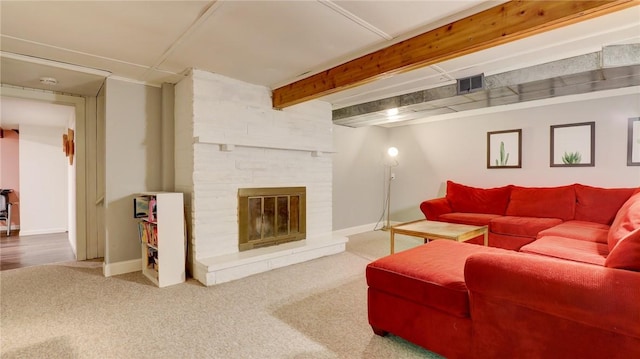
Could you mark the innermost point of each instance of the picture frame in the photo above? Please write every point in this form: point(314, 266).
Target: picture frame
point(633, 142)
point(504, 149)
point(573, 145)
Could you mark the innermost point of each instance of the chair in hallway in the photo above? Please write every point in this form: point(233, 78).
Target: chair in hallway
point(5, 209)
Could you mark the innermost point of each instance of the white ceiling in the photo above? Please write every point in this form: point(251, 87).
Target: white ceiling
point(269, 43)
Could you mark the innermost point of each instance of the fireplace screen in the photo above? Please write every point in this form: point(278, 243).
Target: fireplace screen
point(270, 216)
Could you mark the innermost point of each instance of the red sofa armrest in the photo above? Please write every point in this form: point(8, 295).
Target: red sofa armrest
point(434, 208)
point(597, 296)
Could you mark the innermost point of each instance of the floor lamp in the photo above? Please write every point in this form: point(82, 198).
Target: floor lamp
point(393, 153)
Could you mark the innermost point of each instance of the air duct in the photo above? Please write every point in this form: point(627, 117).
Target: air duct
point(614, 67)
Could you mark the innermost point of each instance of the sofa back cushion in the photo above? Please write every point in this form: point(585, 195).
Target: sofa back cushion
point(626, 221)
point(626, 253)
point(477, 200)
point(548, 202)
point(599, 205)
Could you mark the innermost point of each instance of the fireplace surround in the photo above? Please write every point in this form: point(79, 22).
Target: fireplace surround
point(227, 137)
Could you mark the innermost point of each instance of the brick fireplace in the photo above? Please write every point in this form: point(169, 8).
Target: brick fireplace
point(228, 138)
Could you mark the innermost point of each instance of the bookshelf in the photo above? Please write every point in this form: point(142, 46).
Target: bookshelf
point(162, 237)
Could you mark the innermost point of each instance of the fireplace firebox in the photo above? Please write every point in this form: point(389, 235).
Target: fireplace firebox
point(271, 216)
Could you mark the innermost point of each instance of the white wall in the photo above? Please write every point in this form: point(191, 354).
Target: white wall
point(43, 180)
point(132, 161)
point(455, 149)
point(358, 174)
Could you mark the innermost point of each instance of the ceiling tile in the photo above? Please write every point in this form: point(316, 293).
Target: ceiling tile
point(414, 14)
point(265, 42)
point(132, 31)
point(122, 69)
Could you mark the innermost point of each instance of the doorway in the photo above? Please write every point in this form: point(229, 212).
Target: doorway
point(84, 246)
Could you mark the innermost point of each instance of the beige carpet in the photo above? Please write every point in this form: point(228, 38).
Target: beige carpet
point(315, 309)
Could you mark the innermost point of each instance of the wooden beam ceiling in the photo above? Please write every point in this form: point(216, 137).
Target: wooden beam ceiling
point(495, 26)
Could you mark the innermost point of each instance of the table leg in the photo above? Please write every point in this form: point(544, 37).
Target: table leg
point(392, 240)
point(486, 238)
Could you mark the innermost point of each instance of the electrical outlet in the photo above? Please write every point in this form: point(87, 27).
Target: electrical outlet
point(393, 176)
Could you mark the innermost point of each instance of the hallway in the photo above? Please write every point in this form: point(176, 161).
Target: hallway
point(26, 251)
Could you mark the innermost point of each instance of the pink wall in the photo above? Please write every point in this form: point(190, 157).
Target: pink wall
point(10, 170)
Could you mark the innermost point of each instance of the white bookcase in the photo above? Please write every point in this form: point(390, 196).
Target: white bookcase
point(162, 236)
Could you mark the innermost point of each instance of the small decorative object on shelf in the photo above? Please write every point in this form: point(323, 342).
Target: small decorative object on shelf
point(161, 233)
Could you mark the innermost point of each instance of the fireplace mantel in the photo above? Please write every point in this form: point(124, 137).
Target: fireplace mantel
point(228, 147)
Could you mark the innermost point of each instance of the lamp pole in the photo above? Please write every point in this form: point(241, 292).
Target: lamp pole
point(388, 225)
point(393, 153)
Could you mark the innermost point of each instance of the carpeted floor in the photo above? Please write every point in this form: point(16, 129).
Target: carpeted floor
point(315, 309)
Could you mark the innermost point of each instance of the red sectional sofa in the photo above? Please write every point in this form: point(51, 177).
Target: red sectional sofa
point(560, 278)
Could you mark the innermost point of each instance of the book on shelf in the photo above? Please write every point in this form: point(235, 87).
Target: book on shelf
point(152, 209)
point(141, 207)
point(145, 207)
point(152, 259)
point(148, 233)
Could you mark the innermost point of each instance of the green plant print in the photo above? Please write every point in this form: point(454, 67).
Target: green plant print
point(571, 158)
point(504, 157)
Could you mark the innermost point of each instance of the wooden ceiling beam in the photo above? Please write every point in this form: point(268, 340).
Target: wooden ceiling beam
point(495, 26)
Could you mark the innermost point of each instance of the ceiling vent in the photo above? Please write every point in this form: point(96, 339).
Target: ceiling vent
point(470, 84)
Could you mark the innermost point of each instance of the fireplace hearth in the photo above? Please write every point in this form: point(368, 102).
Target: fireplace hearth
point(270, 216)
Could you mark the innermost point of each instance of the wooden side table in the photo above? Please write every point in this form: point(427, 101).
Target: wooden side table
point(438, 230)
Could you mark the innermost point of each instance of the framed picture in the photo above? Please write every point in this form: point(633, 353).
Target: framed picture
point(573, 145)
point(633, 142)
point(504, 149)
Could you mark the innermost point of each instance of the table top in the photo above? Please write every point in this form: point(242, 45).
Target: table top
point(439, 229)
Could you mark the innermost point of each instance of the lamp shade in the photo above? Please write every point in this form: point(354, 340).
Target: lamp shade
point(392, 151)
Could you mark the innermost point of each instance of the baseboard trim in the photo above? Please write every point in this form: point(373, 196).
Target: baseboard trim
point(42, 231)
point(361, 229)
point(14, 227)
point(135, 264)
point(117, 268)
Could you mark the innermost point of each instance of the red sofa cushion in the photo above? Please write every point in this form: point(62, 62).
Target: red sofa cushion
point(433, 208)
point(430, 275)
point(626, 253)
point(600, 205)
point(627, 220)
point(513, 243)
point(569, 249)
point(521, 226)
point(584, 231)
point(473, 219)
point(548, 202)
point(477, 200)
